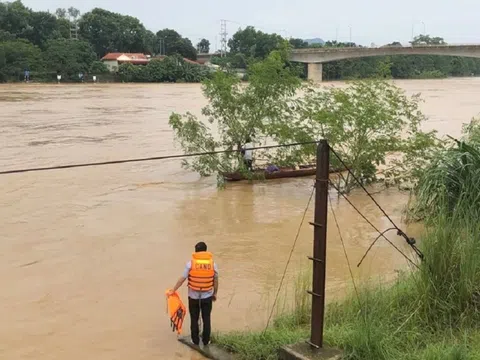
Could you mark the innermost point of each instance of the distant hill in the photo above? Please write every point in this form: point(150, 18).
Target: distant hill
point(315, 41)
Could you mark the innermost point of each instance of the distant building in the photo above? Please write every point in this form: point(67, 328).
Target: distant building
point(114, 60)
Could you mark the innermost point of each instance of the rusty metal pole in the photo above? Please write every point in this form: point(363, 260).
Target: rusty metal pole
point(319, 244)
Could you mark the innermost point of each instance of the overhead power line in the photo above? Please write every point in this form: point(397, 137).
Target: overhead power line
point(410, 241)
point(152, 158)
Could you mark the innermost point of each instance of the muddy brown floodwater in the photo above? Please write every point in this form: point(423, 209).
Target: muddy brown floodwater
point(86, 254)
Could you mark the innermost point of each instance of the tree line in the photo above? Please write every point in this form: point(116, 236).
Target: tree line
point(41, 43)
point(70, 44)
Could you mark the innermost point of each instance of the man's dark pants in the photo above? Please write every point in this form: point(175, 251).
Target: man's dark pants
point(196, 306)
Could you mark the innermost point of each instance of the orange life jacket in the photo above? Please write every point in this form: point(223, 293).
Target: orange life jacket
point(176, 310)
point(200, 277)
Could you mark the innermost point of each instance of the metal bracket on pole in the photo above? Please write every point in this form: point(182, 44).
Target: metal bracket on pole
point(315, 224)
point(314, 259)
point(313, 294)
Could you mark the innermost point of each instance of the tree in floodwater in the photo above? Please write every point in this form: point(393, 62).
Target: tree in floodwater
point(261, 110)
point(364, 123)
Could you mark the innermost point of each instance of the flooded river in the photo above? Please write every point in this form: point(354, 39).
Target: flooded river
point(86, 254)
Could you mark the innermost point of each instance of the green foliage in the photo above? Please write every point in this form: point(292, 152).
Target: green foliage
point(17, 21)
point(73, 13)
point(220, 61)
point(401, 66)
point(298, 43)
point(61, 13)
point(453, 178)
point(68, 57)
point(64, 26)
point(262, 109)
point(175, 44)
point(471, 132)
point(168, 69)
point(232, 61)
point(150, 43)
point(16, 57)
point(14, 18)
point(203, 46)
point(128, 72)
point(254, 43)
point(427, 40)
point(364, 123)
point(42, 27)
point(98, 67)
point(112, 32)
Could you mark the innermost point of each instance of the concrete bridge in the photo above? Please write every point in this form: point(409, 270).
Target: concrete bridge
point(314, 58)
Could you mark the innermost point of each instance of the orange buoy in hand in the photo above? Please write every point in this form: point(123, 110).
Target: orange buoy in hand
point(176, 310)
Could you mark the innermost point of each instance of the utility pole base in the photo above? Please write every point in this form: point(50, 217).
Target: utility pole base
point(303, 351)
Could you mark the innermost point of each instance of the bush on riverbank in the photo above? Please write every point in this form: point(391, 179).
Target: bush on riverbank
point(170, 69)
point(452, 178)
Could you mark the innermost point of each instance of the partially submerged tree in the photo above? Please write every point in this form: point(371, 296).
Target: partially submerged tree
point(364, 123)
point(262, 109)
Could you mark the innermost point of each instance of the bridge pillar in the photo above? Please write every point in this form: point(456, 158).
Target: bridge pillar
point(315, 72)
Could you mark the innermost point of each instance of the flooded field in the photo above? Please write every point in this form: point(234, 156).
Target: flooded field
point(86, 254)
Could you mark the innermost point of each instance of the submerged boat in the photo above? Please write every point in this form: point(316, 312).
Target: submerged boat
point(282, 172)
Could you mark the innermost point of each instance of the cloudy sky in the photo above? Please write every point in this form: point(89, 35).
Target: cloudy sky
point(371, 21)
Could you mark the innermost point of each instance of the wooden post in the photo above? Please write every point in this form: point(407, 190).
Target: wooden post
point(319, 244)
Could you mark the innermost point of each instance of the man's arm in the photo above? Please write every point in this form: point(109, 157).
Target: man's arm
point(215, 282)
point(215, 286)
point(179, 283)
point(181, 279)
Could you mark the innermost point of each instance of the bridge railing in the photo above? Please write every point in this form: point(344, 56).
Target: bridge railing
point(420, 46)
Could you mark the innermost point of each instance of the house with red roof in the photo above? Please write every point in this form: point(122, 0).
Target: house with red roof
point(114, 60)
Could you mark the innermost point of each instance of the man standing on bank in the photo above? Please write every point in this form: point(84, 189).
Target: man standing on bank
point(202, 275)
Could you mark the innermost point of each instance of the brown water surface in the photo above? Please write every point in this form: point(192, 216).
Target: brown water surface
point(86, 254)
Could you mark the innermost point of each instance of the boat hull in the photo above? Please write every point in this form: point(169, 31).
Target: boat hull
point(262, 174)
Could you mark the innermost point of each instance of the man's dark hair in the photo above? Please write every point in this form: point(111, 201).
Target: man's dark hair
point(201, 246)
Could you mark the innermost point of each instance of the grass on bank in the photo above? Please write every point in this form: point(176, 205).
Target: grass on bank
point(429, 314)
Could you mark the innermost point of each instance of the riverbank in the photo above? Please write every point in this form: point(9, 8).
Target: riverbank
point(419, 316)
point(116, 79)
point(429, 312)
